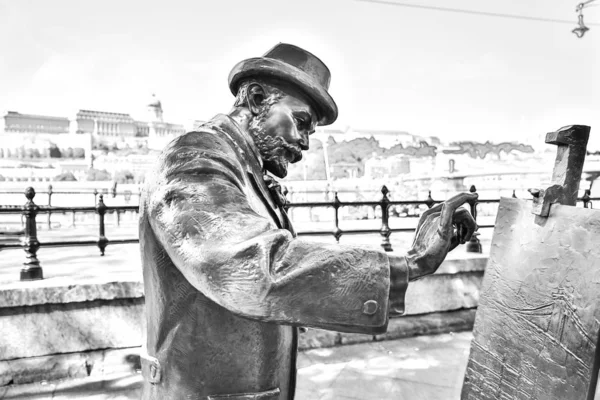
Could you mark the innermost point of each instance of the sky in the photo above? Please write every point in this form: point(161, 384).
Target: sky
point(452, 75)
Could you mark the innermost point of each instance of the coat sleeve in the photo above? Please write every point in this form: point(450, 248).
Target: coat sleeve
point(199, 210)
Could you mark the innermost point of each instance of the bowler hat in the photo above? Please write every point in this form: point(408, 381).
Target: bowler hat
point(291, 64)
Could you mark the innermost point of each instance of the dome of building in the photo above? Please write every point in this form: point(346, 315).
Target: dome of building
point(154, 102)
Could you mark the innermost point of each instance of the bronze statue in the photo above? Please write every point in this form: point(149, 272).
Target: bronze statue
point(227, 283)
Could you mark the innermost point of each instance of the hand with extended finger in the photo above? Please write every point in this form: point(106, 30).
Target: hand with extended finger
point(440, 230)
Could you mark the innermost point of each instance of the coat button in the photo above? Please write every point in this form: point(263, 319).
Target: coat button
point(370, 307)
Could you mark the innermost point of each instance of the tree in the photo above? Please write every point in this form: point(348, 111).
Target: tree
point(65, 177)
point(424, 150)
point(481, 150)
point(124, 176)
point(356, 152)
point(102, 146)
point(98, 175)
point(55, 151)
point(78, 152)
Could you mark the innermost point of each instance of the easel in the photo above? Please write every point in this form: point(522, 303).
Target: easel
point(537, 328)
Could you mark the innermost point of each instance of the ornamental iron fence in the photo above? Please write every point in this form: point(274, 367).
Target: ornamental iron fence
point(32, 269)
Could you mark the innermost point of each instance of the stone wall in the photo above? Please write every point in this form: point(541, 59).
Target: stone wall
point(88, 329)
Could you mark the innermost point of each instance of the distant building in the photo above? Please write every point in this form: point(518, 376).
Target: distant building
point(104, 124)
point(160, 133)
point(39, 147)
point(138, 164)
point(14, 122)
point(109, 129)
point(345, 170)
point(395, 166)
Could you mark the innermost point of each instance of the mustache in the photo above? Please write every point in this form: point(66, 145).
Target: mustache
point(294, 149)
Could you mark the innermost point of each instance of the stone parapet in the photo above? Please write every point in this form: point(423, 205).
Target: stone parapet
point(35, 293)
point(62, 328)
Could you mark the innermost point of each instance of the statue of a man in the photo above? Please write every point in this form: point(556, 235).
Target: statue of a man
point(227, 281)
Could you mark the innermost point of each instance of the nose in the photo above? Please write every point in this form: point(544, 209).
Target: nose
point(303, 141)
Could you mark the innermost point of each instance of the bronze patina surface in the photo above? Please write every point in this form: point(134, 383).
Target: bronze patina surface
point(537, 325)
point(227, 283)
point(536, 328)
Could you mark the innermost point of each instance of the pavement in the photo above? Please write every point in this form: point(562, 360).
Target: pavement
point(417, 368)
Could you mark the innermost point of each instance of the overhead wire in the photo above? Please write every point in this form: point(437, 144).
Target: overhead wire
point(474, 12)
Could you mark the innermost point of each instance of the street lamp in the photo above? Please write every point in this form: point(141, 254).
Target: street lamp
point(581, 29)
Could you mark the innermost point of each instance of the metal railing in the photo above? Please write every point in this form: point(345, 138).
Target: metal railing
point(32, 269)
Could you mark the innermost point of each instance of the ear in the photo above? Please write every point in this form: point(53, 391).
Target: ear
point(256, 97)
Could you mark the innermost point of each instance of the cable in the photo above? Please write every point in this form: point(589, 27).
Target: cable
point(472, 12)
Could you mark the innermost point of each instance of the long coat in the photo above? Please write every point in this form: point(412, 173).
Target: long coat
point(227, 283)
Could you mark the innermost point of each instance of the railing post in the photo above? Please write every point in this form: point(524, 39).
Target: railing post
point(96, 196)
point(101, 210)
point(385, 231)
point(474, 246)
point(32, 269)
point(429, 202)
point(587, 203)
point(337, 232)
point(49, 205)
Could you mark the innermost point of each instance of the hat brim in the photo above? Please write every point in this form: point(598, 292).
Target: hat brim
point(262, 67)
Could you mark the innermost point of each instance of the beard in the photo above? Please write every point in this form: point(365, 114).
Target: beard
point(275, 151)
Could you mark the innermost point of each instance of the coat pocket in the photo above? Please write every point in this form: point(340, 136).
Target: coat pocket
point(268, 395)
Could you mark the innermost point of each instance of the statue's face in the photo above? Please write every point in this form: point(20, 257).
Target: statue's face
point(282, 131)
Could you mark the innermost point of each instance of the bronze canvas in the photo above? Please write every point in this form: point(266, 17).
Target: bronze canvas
point(537, 324)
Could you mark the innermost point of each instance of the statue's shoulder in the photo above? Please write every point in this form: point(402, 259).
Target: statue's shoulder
point(196, 150)
point(204, 137)
point(206, 141)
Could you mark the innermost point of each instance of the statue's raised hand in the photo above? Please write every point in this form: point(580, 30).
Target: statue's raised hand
point(440, 230)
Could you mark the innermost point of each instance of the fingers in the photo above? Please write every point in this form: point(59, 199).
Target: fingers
point(465, 224)
point(433, 210)
point(460, 232)
point(450, 206)
point(436, 208)
point(427, 223)
point(454, 242)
